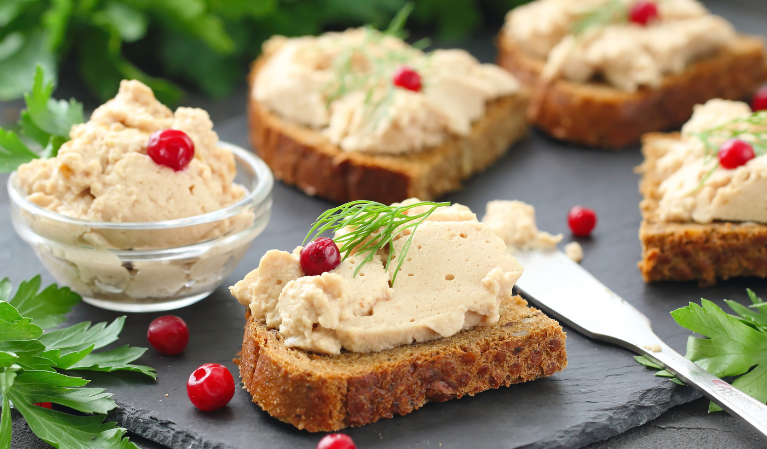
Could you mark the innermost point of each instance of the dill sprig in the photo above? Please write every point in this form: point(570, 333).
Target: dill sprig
point(372, 226)
point(713, 137)
point(613, 12)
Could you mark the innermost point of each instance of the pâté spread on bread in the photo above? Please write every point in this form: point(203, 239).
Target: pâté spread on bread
point(709, 176)
point(704, 207)
point(135, 161)
point(604, 72)
point(407, 304)
point(371, 92)
point(454, 275)
point(343, 114)
point(585, 39)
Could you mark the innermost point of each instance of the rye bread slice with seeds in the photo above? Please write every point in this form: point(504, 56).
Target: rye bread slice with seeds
point(319, 392)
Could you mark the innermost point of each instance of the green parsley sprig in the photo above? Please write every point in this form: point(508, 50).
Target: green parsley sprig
point(371, 226)
point(45, 122)
point(610, 13)
point(34, 367)
point(739, 127)
point(736, 345)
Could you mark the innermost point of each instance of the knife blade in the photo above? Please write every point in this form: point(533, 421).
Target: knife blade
point(566, 291)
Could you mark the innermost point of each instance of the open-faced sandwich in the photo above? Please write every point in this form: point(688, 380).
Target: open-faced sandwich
point(361, 114)
point(604, 72)
point(705, 201)
point(408, 304)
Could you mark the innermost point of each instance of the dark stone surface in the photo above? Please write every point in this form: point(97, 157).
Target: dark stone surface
point(602, 393)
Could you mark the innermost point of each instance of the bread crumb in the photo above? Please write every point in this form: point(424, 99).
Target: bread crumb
point(574, 251)
point(653, 348)
point(166, 395)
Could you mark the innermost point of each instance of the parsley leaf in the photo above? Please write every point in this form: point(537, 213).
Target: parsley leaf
point(35, 366)
point(733, 345)
point(46, 308)
point(45, 121)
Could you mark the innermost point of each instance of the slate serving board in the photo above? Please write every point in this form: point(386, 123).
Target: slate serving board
point(602, 392)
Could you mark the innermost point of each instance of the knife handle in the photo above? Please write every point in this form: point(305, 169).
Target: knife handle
point(734, 401)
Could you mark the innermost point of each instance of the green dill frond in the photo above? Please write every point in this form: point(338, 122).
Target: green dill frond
point(371, 226)
point(613, 12)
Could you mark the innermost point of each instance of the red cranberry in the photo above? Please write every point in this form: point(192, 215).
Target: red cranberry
point(734, 153)
point(407, 78)
point(581, 220)
point(759, 103)
point(47, 405)
point(168, 334)
point(336, 441)
point(210, 387)
point(171, 147)
point(320, 256)
point(643, 12)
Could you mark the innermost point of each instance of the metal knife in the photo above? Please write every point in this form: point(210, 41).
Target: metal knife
point(566, 291)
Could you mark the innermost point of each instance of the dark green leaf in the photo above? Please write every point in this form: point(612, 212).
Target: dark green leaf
point(62, 429)
point(115, 360)
point(51, 116)
point(29, 129)
point(48, 308)
point(5, 289)
point(130, 23)
point(68, 359)
point(22, 329)
point(647, 362)
point(13, 152)
point(7, 359)
point(7, 376)
point(236, 9)
point(732, 347)
point(82, 335)
point(55, 21)
point(42, 386)
point(16, 70)
point(8, 313)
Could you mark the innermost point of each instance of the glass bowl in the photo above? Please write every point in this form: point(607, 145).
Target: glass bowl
point(151, 266)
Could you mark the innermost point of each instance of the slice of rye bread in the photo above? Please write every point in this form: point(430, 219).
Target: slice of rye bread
point(596, 114)
point(303, 157)
point(319, 392)
point(692, 251)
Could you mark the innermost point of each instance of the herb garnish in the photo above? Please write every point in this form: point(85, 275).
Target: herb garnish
point(45, 121)
point(734, 344)
point(33, 366)
point(735, 128)
point(372, 226)
point(610, 13)
point(376, 83)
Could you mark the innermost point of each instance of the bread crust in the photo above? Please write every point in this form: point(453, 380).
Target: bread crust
point(692, 251)
point(303, 157)
point(319, 392)
point(595, 114)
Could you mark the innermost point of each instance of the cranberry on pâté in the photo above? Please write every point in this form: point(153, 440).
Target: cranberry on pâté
point(734, 153)
point(581, 220)
point(643, 12)
point(407, 78)
point(171, 147)
point(320, 256)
